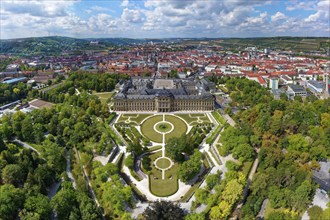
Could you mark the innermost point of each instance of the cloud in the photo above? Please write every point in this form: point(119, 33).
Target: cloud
point(278, 16)
point(124, 3)
point(303, 5)
point(40, 8)
point(99, 8)
point(322, 13)
point(132, 16)
point(162, 18)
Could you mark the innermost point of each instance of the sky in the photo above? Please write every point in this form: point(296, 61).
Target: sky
point(164, 18)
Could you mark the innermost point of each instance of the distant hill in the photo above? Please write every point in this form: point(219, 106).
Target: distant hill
point(44, 45)
point(57, 45)
point(296, 44)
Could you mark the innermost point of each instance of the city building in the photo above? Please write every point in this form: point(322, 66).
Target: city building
point(162, 95)
point(296, 90)
point(273, 83)
point(15, 80)
point(315, 86)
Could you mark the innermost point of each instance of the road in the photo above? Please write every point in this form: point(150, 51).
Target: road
point(68, 169)
point(90, 188)
point(137, 167)
point(263, 209)
point(26, 145)
point(246, 189)
point(52, 190)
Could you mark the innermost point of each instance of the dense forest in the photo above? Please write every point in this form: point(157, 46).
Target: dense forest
point(77, 125)
point(292, 137)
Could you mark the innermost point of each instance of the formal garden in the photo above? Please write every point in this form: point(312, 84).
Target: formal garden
point(168, 143)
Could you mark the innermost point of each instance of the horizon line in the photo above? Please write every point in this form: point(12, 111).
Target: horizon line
point(85, 38)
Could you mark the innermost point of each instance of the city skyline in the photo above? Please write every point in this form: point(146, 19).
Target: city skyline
point(164, 18)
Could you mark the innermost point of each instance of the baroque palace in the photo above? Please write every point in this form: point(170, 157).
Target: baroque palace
point(163, 95)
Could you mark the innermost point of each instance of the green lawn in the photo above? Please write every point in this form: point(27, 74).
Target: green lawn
point(154, 148)
point(163, 163)
point(147, 129)
point(104, 96)
point(220, 119)
point(180, 127)
point(158, 186)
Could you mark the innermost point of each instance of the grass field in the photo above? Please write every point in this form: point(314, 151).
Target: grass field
point(180, 127)
point(104, 96)
point(220, 119)
point(163, 163)
point(147, 129)
point(157, 185)
point(154, 148)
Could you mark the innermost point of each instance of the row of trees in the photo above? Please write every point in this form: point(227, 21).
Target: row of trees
point(10, 93)
point(97, 82)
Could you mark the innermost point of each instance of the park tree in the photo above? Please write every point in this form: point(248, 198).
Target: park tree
point(173, 74)
point(17, 120)
point(243, 152)
point(191, 167)
point(195, 216)
point(174, 148)
point(276, 122)
point(17, 91)
point(129, 162)
point(298, 142)
point(277, 197)
point(27, 129)
point(2, 143)
point(11, 200)
point(163, 210)
point(44, 176)
point(232, 165)
point(54, 155)
point(212, 180)
point(201, 195)
point(36, 206)
point(6, 127)
point(178, 146)
point(222, 211)
point(38, 133)
point(232, 192)
point(105, 113)
point(278, 215)
point(302, 196)
point(315, 213)
point(115, 197)
point(64, 201)
point(88, 209)
point(12, 174)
